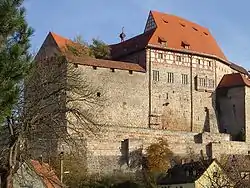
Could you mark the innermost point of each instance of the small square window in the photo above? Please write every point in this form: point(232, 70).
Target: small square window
point(160, 55)
point(94, 67)
point(112, 70)
point(178, 58)
point(202, 82)
point(170, 77)
point(198, 61)
point(184, 79)
point(209, 63)
point(215, 174)
point(98, 94)
point(75, 65)
point(130, 72)
point(156, 75)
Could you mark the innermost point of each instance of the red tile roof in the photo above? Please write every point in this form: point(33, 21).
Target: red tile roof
point(47, 174)
point(234, 80)
point(178, 29)
point(105, 63)
point(83, 60)
point(136, 43)
point(175, 31)
point(61, 42)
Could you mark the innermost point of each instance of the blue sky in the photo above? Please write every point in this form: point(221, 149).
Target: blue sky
point(226, 19)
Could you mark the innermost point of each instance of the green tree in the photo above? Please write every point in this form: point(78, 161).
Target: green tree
point(14, 66)
point(14, 55)
point(99, 49)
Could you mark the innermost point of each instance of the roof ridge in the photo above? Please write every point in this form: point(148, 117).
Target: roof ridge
point(58, 35)
point(180, 18)
point(60, 41)
point(134, 37)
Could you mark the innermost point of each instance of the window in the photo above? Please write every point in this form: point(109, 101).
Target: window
point(215, 175)
point(167, 56)
point(185, 44)
point(112, 70)
point(130, 72)
point(178, 58)
point(162, 41)
point(184, 79)
point(125, 150)
point(98, 94)
point(202, 82)
point(209, 63)
point(194, 172)
point(94, 67)
point(170, 77)
point(160, 55)
point(198, 61)
point(211, 83)
point(75, 65)
point(156, 75)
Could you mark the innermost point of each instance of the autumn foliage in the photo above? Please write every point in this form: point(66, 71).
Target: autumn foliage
point(158, 156)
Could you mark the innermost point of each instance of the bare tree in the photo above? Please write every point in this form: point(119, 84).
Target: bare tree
point(59, 105)
point(233, 172)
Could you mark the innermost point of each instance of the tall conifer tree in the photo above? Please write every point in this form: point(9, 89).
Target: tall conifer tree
point(14, 55)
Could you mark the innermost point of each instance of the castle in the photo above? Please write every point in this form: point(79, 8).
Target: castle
point(171, 81)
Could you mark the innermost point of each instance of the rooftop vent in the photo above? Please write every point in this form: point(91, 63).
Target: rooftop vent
point(183, 25)
point(165, 21)
point(195, 29)
point(205, 33)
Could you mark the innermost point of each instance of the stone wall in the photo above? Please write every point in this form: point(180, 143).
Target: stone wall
point(179, 104)
point(106, 152)
point(231, 109)
point(247, 113)
point(229, 148)
point(125, 95)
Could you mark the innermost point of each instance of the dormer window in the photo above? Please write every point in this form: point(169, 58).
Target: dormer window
point(162, 41)
point(185, 44)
